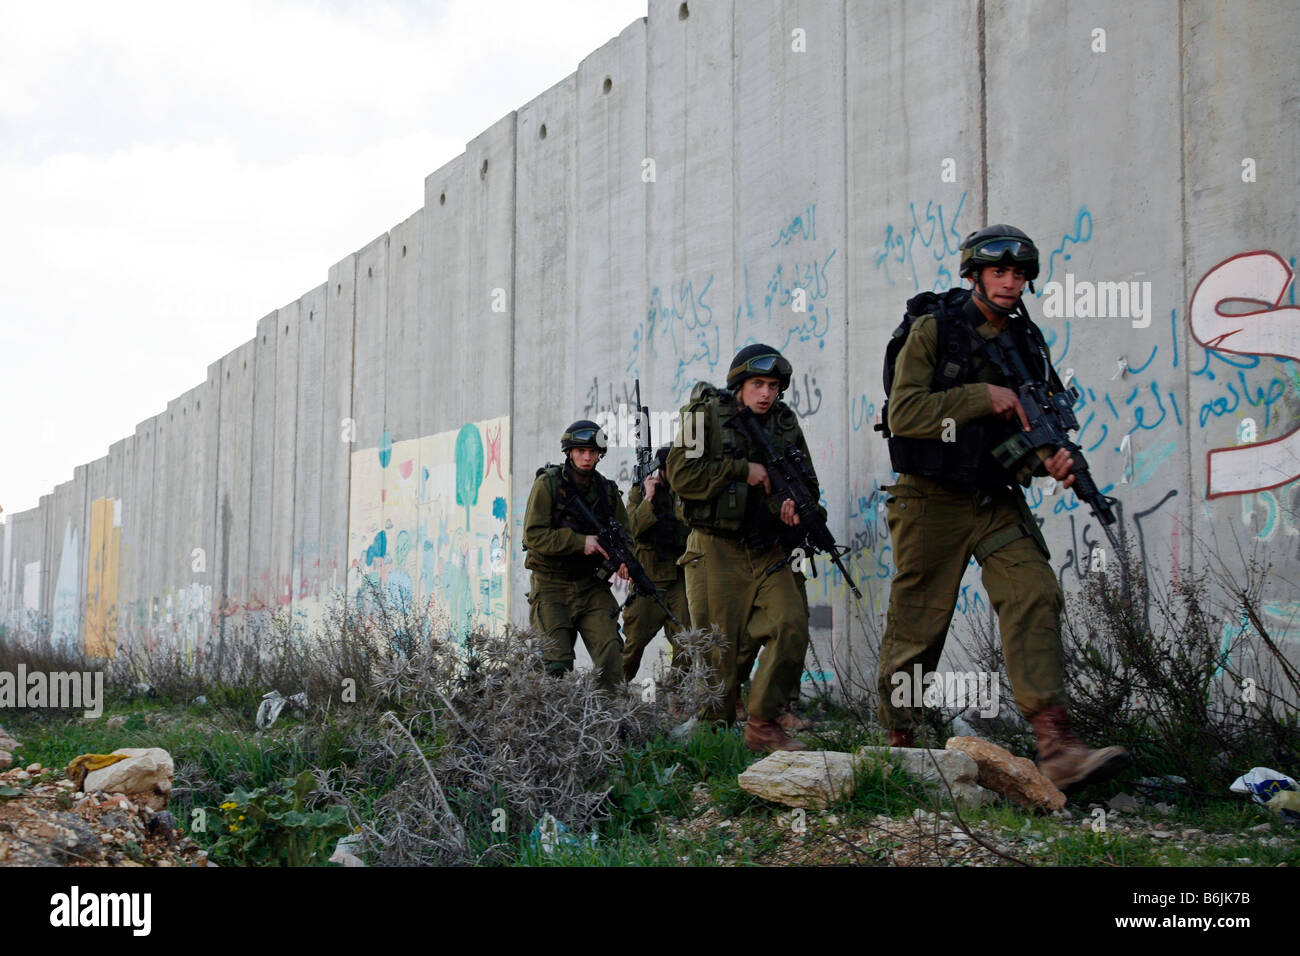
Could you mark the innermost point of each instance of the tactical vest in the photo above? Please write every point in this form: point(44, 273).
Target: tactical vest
point(966, 463)
point(563, 516)
point(727, 512)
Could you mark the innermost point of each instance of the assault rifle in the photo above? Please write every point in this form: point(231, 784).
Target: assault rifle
point(612, 537)
point(1051, 419)
point(789, 474)
point(646, 463)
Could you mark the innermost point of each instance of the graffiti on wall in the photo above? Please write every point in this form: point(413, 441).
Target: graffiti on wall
point(105, 540)
point(428, 523)
point(1255, 279)
point(65, 629)
point(1132, 413)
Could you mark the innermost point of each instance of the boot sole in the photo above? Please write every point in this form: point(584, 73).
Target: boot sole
point(1101, 773)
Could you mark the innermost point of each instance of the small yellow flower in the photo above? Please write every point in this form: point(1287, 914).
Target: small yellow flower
point(229, 805)
point(241, 816)
point(233, 828)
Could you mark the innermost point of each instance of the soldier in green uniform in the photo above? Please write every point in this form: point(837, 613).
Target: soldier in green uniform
point(738, 574)
point(566, 597)
point(660, 538)
point(953, 500)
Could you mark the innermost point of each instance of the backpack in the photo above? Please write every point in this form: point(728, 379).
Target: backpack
point(947, 305)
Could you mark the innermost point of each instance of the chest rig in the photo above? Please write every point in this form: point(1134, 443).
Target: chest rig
point(966, 463)
point(727, 513)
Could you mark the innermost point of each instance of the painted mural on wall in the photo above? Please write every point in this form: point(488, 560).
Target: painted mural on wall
point(105, 539)
point(428, 523)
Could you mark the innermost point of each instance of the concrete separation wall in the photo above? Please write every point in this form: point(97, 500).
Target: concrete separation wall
point(723, 173)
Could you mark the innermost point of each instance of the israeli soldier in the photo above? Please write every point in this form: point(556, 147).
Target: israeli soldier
point(738, 575)
point(954, 500)
point(660, 538)
point(566, 597)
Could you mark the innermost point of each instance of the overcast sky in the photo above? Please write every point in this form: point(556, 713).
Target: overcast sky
point(172, 171)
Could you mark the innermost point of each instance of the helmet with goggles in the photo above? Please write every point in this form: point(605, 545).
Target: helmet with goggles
point(755, 361)
point(999, 245)
point(584, 434)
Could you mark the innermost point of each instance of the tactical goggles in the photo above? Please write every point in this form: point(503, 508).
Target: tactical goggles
point(771, 364)
point(993, 250)
point(584, 436)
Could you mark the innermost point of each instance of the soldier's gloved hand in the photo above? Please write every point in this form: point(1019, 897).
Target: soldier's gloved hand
point(1059, 465)
point(1006, 404)
point(758, 476)
point(788, 514)
point(592, 546)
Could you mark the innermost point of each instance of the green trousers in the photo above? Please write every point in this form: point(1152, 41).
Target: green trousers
point(748, 652)
point(728, 585)
point(560, 610)
point(934, 533)
point(643, 618)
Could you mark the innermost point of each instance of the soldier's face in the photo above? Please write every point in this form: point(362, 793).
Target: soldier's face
point(584, 459)
point(1003, 284)
point(759, 394)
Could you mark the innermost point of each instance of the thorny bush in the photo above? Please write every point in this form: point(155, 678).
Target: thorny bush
point(476, 743)
point(1183, 672)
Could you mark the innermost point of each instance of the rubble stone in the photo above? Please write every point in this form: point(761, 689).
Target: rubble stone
point(1014, 777)
point(811, 778)
point(146, 776)
point(958, 770)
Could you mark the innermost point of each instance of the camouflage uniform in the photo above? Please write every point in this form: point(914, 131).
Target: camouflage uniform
point(935, 529)
point(566, 598)
point(660, 539)
point(735, 541)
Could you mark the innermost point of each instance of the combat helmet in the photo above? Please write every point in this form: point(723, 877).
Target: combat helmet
point(998, 244)
point(584, 434)
point(758, 360)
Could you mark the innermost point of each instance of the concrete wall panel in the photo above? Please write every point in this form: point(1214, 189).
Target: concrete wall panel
point(261, 585)
point(405, 343)
point(609, 230)
point(443, 290)
point(65, 562)
point(548, 372)
point(232, 492)
point(913, 114)
point(307, 471)
point(338, 428)
point(790, 236)
point(288, 324)
point(142, 516)
point(1133, 404)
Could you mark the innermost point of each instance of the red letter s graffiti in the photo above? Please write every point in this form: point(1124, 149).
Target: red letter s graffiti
point(1260, 277)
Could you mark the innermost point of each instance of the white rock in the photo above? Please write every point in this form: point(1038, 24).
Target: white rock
point(812, 778)
point(146, 775)
point(934, 767)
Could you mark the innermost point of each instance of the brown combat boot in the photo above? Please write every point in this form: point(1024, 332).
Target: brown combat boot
point(902, 738)
point(792, 723)
point(1067, 761)
point(766, 736)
